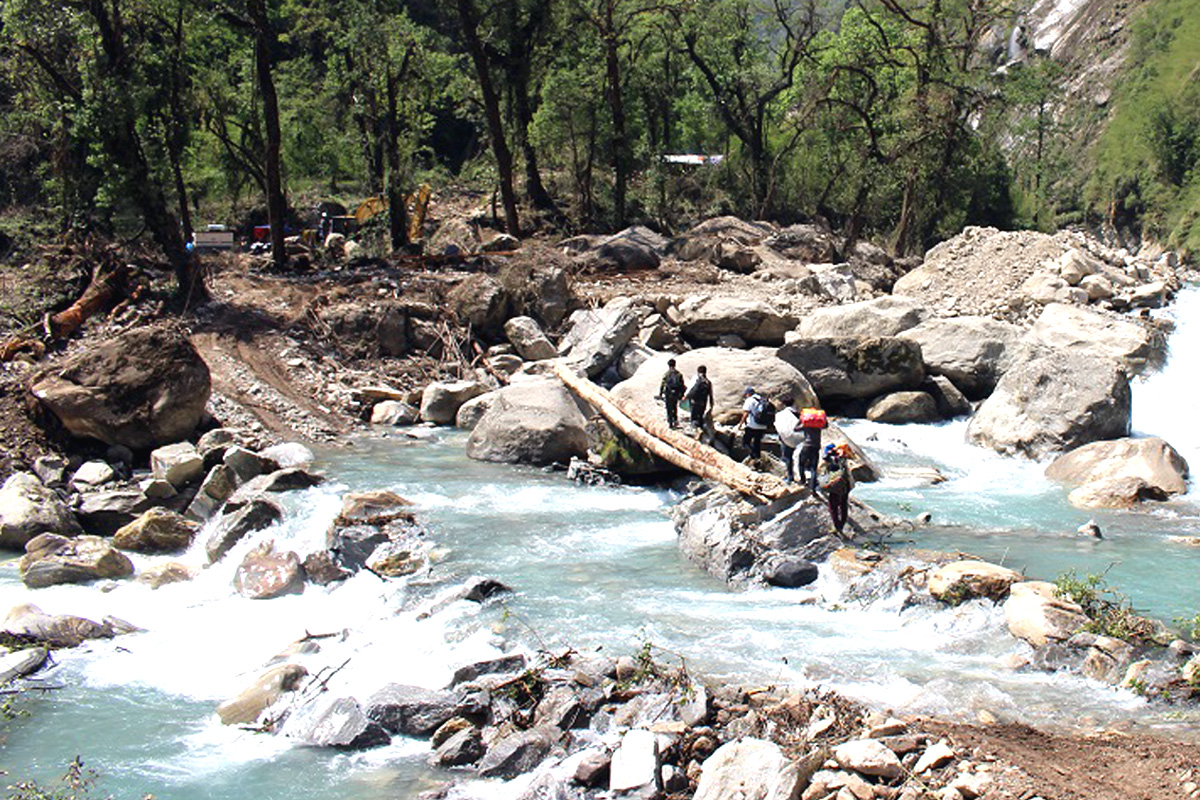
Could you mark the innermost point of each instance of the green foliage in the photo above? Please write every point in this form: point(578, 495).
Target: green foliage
point(1108, 611)
point(1189, 627)
point(1146, 161)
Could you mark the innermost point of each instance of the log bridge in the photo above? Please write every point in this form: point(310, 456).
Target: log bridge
point(672, 446)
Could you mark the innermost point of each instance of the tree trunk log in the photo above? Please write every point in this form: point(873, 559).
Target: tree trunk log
point(673, 446)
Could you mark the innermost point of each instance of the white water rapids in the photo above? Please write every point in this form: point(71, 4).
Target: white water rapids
point(593, 568)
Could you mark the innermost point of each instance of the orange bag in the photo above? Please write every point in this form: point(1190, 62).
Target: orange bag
point(813, 418)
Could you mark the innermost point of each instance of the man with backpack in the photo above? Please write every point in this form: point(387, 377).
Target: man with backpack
point(700, 396)
point(787, 428)
point(671, 392)
point(758, 416)
point(837, 483)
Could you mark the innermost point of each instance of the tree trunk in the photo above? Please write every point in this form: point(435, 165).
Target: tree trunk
point(264, 45)
point(491, 107)
point(672, 446)
point(397, 207)
point(616, 105)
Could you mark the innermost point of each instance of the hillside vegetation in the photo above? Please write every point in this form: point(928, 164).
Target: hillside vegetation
point(896, 120)
point(1148, 159)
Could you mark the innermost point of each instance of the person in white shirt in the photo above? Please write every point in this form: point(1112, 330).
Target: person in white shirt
point(754, 411)
point(786, 425)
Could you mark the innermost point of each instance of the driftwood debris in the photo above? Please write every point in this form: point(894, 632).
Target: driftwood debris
point(673, 446)
point(110, 282)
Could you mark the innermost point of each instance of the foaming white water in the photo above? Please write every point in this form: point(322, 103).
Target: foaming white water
point(1164, 404)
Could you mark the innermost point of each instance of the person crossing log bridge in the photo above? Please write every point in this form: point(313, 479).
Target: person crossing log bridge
point(672, 446)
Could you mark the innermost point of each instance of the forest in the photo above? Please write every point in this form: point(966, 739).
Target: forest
point(895, 120)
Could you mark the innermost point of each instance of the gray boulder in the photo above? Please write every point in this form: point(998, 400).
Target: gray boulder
point(92, 474)
point(265, 573)
point(484, 303)
point(950, 401)
point(54, 630)
point(1120, 473)
point(28, 509)
point(597, 336)
point(470, 412)
point(178, 464)
point(973, 352)
point(255, 515)
point(634, 248)
point(852, 367)
point(142, 389)
point(528, 339)
point(790, 573)
point(1053, 403)
point(395, 413)
point(107, 512)
point(902, 408)
point(518, 753)
point(462, 748)
point(51, 559)
point(20, 663)
point(158, 530)
point(440, 401)
point(706, 319)
point(535, 422)
point(812, 244)
point(336, 722)
point(730, 371)
point(411, 710)
point(889, 315)
point(1078, 330)
point(749, 768)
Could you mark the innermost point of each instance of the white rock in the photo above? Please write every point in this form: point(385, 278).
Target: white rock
point(178, 464)
point(868, 757)
point(936, 755)
point(635, 762)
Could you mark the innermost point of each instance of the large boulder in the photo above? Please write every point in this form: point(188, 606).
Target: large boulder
point(531, 422)
point(518, 753)
point(853, 367)
point(597, 336)
point(973, 352)
point(749, 768)
point(963, 580)
point(1077, 329)
point(1121, 472)
point(707, 319)
point(178, 464)
point(29, 509)
point(265, 573)
point(1034, 612)
point(260, 695)
point(903, 408)
point(528, 339)
point(337, 722)
point(50, 559)
point(54, 630)
point(1052, 403)
point(483, 303)
point(812, 244)
point(142, 389)
point(730, 371)
point(411, 710)
point(440, 401)
point(105, 513)
point(255, 515)
point(158, 530)
point(883, 316)
point(634, 248)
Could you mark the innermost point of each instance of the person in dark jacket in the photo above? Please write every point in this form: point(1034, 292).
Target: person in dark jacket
point(808, 456)
point(837, 483)
point(671, 392)
point(700, 396)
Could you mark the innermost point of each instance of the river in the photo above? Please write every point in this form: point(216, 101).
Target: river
point(595, 569)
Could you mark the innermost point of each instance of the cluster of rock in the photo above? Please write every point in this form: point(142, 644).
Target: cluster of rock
point(1063, 634)
point(588, 727)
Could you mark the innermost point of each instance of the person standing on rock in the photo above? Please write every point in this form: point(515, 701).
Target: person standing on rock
point(700, 396)
point(809, 455)
point(837, 483)
point(671, 392)
point(757, 417)
point(786, 425)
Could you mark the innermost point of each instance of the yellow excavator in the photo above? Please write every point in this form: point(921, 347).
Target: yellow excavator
point(418, 207)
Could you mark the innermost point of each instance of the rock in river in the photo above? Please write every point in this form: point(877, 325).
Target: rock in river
point(50, 559)
point(532, 422)
point(28, 509)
